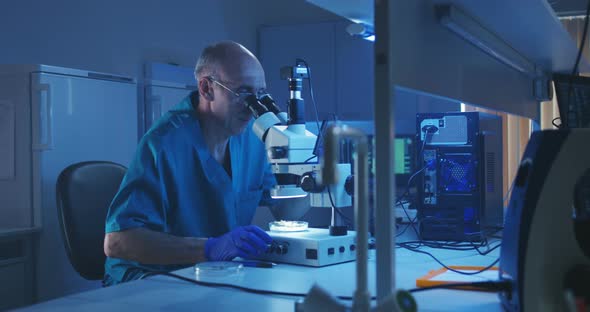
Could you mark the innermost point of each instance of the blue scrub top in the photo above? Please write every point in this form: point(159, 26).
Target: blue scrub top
point(174, 185)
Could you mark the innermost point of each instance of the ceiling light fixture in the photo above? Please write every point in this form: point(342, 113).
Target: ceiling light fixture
point(473, 32)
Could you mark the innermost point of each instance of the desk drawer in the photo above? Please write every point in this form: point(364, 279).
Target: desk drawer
point(13, 291)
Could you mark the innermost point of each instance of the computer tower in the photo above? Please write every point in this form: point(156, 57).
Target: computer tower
point(459, 156)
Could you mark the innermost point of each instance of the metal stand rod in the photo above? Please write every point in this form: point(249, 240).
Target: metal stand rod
point(361, 299)
point(361, 206)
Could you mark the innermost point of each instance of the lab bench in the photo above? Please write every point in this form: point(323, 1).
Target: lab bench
point(170, 294)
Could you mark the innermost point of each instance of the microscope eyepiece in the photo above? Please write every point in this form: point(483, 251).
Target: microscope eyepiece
point(257, 108)
point(269, 103)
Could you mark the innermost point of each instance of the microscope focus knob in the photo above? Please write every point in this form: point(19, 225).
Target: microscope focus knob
point(349, 185)
point(310, 184)
point(277, 152)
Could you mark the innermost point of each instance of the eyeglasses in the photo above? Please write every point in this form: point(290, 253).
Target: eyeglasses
point(241, 95)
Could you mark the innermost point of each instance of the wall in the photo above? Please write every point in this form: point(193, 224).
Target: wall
point(119, 36)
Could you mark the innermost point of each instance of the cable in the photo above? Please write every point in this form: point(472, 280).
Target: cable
point(484, 285)
point(213, 284)
point(340, 213)
point(452, 245)
point(508, 193)
point(310, 158)
point(402, 231)
point(242, 288)
point(575, 69)
point(469, 245)
point(581, 48)
point(487, 251)
point(555, 119)
point(448, 245)
point(407, 191)
point(412, 222)
point(401, 203)
point(317, 118)
point(407, 226)
point(448, 268)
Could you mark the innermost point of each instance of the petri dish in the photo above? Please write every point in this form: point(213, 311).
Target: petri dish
point(287, 226)
point(218, 268)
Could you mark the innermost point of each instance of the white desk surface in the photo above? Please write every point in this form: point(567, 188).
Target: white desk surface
point(165, 293)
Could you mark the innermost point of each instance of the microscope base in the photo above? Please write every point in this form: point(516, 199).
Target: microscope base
point(313, 247)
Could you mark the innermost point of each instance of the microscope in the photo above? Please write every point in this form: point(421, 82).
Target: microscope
point(290, 151)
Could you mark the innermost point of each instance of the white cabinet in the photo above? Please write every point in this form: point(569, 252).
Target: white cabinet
point(16, 268)
point(160, 97)
point(62, 116)
point(164, 86)
point(89, 119)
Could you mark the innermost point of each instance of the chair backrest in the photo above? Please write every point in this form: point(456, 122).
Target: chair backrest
point(84, 192)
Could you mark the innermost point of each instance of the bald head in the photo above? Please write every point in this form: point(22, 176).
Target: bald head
point(224, 70)
point(224, 57)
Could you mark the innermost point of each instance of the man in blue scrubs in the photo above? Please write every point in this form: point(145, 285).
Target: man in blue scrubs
point(197, 177)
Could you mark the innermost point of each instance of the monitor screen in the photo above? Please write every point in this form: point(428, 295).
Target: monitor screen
point(403, 155)
point(404, 159)
point(574, 101)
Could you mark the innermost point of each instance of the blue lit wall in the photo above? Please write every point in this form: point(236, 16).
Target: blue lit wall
point(119, 36)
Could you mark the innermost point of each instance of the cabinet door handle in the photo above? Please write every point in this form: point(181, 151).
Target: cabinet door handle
point(42, 118)
point(156, 108)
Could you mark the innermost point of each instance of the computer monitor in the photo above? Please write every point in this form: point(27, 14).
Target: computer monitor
point(404, 159)
point(404, 156)
point(573, 100)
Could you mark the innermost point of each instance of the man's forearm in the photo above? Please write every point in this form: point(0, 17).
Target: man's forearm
point(151, 247)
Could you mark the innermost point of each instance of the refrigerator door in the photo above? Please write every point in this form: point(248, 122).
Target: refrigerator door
point(74, 119)
point(15, 151)
point(160, 99)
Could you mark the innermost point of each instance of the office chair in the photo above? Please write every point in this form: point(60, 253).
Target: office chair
point(84, 192)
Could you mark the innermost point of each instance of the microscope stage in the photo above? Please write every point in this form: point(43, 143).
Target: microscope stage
point(312, 247)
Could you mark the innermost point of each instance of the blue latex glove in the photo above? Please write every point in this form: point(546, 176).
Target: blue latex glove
point(244, 241)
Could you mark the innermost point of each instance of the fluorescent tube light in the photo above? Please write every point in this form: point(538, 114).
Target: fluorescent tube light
point(473, 32)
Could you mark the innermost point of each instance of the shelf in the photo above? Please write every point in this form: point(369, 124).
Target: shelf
point(529, 26)
point(430, 60)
